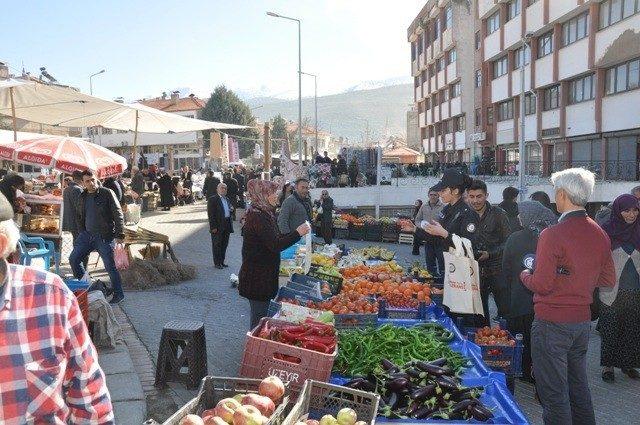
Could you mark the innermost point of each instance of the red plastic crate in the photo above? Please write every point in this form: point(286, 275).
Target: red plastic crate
point(263, 357)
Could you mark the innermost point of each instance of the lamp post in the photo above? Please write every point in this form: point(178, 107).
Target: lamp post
point(276, 15)
point(521, 147)
point(315, 104)
point(91, 80)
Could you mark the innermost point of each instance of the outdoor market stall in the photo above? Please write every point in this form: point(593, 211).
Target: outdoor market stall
point(361, 337)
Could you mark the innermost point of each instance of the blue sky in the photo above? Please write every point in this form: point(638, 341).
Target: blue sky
point(152, 46)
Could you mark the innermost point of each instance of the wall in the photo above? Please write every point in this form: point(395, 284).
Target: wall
point(573, 59)
point(616, 114)
point(580, 119)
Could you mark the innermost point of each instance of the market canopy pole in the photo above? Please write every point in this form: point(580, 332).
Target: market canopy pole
point(13, 115)
point(134, 161)
point(266, 169)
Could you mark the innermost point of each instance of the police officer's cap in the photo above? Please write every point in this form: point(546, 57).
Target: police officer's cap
point(451, 178)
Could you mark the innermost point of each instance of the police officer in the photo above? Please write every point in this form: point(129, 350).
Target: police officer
point(456, 217)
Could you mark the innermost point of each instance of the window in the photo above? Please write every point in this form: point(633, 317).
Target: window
point(478, 118)
point(455, 90)
point(523, 54)
point(505, 110)
point(478, 78)
point(529, 104)
point(413, 51)
point(444, 95)
point(493, 23)
point(440, 64)
point(545, 44)
point(478, 40)
point(500, 67)
point(623, 77)
point(575, 29)
point(551, 98)
point(452, 55)
point(489, 115)
point(581, 89)
point(436, 28)
point(459, 123)
point(612, 11)
point(513, 9)
point(448, 18)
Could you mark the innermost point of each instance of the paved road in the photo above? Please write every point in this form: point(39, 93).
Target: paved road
point(210, 298)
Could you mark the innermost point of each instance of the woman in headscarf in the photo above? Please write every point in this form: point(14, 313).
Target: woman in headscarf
point(261, 246)
point(620, 305)
point(519, 253)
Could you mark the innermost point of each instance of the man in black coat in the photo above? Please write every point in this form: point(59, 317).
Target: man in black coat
point(219, 210)
point(232, 192)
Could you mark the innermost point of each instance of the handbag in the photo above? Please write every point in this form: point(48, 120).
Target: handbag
point(461, 279)
point(120, 257)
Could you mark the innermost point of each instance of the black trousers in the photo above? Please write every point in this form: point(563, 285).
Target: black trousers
point(493, 284)
point(219, 243)
point(326, 230)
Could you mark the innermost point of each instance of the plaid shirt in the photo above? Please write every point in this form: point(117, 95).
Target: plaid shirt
point(48, 368)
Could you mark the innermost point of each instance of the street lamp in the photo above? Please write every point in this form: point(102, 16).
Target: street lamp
point(521, 147)
point(276, 15)
point(91, 79)
point(315, 103)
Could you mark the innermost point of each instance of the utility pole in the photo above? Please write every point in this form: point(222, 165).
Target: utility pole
point(266, 172)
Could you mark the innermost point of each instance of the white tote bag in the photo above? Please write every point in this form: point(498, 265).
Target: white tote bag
point(461, 279)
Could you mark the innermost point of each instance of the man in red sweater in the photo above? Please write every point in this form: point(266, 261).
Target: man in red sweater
point(572, 259)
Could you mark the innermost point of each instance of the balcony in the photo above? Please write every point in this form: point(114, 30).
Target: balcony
point(452, 72)
point(460, 137)
point(436, 114)
point(505, 133)
point(421, 119)
point(421, 61)
point(418, 93)
point(492, 45)
point(425, 89)
point(441, 80)
point(551, 119)
point(580, 119)
point(573, 59)
point(515, 80)
point(428, 120)
point(432, 81)
point(500, 88)
point(608, 36)
point(444, 113)
point(616, 113)
point(428, 53)
point(484, 7)
point(456, 106)
point(544, 71)
point(557, 9)
point(448, 142)
point(447, 38)
point(535, 15)
point(512, 30)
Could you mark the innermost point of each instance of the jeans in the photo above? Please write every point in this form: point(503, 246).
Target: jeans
point(259, 309)
point(86, 243)
point(559, 354)
point(434, 258)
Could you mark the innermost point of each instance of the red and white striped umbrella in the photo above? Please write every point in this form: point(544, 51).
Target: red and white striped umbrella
point(66, 154)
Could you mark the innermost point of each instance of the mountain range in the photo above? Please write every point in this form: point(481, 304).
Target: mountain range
point(380, 105)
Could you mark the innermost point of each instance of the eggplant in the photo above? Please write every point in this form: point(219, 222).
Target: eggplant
point(480, 413)
point(415, 373)
point(388, 365)
point(414, 406)
point(397, 385)
point(423, 393)
point(393, 401)
point(447, 383)
point(367, 386)
point(423, 412)
point(461, 406)
point(439, 362)
point(431, 369)
point(354, 383)
point(399, 375)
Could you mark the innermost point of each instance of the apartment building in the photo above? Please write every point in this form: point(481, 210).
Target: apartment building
point(442, 66)
point(581, 62)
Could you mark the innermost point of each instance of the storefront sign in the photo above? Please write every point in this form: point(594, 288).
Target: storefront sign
point(478, 137)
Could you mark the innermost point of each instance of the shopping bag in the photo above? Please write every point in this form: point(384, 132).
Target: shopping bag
point(461, 280)
point(120, 256)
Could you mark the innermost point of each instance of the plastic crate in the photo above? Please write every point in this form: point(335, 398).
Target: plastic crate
point(341, 233)
point(263, 357)
point(373, 232)
point(355, 320)
point(386, 312)
point(80, 289)
point(405, 238)
point(390, 236)
point(318, 399)
point(356, 232)
point(335, 282)
point(286, 292)
point(215, 388)
point(502, 358)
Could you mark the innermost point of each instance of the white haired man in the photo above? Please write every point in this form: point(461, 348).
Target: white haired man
point(48, 368)
point(573, 257)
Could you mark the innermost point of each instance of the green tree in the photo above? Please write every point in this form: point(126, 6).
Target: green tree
point(225, 106)
point(278, 131)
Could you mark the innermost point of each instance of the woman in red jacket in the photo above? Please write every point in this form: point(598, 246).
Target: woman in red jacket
point(261, 246)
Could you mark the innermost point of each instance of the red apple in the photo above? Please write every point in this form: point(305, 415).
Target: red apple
point(214, 420)
point(226, 408)
point(262, 403)
point(208, 412)
point(312, 422)
point(247, 415)
point(272, 387)
point(191, 420)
